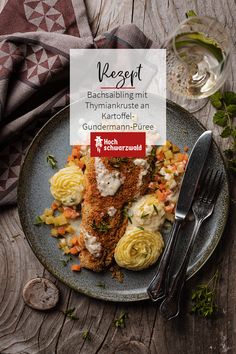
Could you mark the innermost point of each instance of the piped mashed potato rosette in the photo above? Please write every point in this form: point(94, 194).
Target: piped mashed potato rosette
point(67, 185)
point(138, 249)
point(148, 212)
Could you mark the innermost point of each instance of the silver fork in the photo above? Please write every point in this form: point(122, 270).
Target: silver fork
point(202, 209)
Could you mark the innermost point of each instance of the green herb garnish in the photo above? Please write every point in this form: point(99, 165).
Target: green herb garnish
point(204, 298)
point(153, 152)
point(225, 103)
point(143, 216)
point(120, 321)
point(52, 161)
point(101, 285)
point(70, 313)
point(155, 208)
point(100, 227)
point(38, 221)
point(86, 336)
point(126, 214)
point(65, 261)
point(140, 227)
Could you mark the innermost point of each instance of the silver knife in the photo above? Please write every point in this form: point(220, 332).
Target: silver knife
point(159, 284)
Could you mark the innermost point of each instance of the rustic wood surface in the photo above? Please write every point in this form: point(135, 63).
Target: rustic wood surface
point(23, 330)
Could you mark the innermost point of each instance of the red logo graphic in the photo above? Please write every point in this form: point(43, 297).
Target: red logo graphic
point(115, 144)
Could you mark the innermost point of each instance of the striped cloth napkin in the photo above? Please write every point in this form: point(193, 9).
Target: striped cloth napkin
point(36, 37)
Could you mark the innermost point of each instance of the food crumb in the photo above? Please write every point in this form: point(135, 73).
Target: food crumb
point(117, 273)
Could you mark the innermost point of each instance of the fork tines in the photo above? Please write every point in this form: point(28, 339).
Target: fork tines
point(211, 184)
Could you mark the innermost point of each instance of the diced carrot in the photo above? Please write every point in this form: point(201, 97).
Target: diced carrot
point(161, 186)
point(80, 163)
point(161, 196)
point(186, 148)
point(70, 158)
point(61, 230)
point(76, 151)
point(182, 157)
point(70, 213)
point(160, 156)
point(76, 267)
point(54, 206)
point(75, 240)
point(74, 250)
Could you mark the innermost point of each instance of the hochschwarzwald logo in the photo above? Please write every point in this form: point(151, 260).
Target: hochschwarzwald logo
point(117, 144)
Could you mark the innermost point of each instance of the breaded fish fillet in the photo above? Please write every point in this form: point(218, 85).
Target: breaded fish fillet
point(103, 220)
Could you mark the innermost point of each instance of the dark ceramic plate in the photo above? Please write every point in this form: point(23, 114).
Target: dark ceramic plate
point(34, 196)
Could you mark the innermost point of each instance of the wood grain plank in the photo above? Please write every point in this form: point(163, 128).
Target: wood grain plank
point(106, 14)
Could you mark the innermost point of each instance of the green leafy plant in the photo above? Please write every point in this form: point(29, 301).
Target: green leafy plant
point(225, 104)
point(204, 298)
point(120, 321)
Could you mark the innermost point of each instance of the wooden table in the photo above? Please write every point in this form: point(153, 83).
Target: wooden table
point(23, 330)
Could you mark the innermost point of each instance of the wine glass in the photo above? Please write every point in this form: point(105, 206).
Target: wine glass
point(198, 54)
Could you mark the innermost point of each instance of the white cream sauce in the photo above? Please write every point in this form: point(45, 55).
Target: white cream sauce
point(111, 211)
point(108, 182)
point(148, 150)
point(144, 166)
point(91, 243)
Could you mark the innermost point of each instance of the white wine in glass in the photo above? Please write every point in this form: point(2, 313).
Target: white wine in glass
point(198, 56)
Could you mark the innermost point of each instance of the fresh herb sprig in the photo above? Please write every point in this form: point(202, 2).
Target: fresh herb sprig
point(120, 321)
point(155, 208)
point(101, 285)
point(70, 313)
point(101, 226)
point(38, 221)
point(51, 161)
point(143, 215)
point(140, 228)
point(204, 298)
point(125, 212)
point(225, 103)
point(66, 260)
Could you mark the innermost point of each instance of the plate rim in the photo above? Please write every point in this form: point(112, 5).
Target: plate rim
point(102, 296)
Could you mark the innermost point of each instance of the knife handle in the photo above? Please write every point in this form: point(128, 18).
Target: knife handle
point(158, 287)
point(170, 307)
